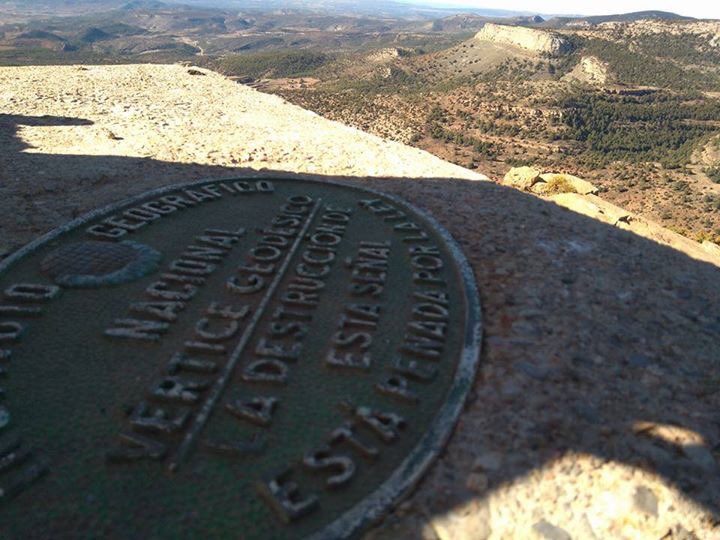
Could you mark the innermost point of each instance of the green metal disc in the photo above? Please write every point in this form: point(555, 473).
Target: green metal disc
point(241, 358)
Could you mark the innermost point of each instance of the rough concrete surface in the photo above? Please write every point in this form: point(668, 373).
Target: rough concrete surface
point(595, 413)
point(95, 124)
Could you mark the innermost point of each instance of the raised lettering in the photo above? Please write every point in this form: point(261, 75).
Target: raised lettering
point(258, 411)
point(283, 496)
point(385, 424)
point(160, 290)
point(164, 311)
point(202, 330)
point(266, 371)
point(182, 362)
point(207, 348)
point(137, 329)
point(194, 268)
point(346, 434)
point(204, 253)
point(397, 386)
point(414, 369)
point(10, 331)
point(278, 350)
point(31, 292)
point(254, 284)
point(348, 360)
point(422, 346)
point(145, 417)
point(342, 467)
point(178, 389)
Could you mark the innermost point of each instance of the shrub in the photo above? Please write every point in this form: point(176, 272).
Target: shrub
point(290, 63)
point(714, 174)
point(558, 184)
point(656, 127)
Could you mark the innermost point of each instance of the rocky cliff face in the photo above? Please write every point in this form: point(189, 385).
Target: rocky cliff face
point(527, 38)
point(591, 70)
point(595, 69)
point(388, 55)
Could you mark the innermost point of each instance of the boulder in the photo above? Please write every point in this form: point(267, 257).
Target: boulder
point(563, 183)
point(523, 178)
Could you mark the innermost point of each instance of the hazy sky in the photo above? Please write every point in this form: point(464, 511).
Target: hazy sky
point(693, 8)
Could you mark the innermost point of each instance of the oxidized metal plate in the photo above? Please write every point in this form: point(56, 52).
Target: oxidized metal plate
point(254, 358)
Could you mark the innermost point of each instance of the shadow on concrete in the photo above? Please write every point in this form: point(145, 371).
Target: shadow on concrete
point(594, 338)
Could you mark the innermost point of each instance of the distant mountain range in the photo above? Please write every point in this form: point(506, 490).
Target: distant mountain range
point(628, 17)
point(403, 9)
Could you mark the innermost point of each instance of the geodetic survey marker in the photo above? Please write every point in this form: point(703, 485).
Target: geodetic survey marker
point(246, 358)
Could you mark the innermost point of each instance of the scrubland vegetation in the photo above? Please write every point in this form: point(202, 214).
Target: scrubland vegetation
point(659, 127)
point(285, 63)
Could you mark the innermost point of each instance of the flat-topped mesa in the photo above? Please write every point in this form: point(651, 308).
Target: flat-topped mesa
point(530, 39)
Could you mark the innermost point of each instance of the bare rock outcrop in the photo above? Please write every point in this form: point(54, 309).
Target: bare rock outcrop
point(538, 41)
point(530, 179)
point(622, 31)
point(388, 54)
point(523, 178)
point(597, 208)
point(591, 70)
point(581, 197)
point(563, 183)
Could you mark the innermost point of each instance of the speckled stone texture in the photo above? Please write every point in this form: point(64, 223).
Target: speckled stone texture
point(76, 137)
